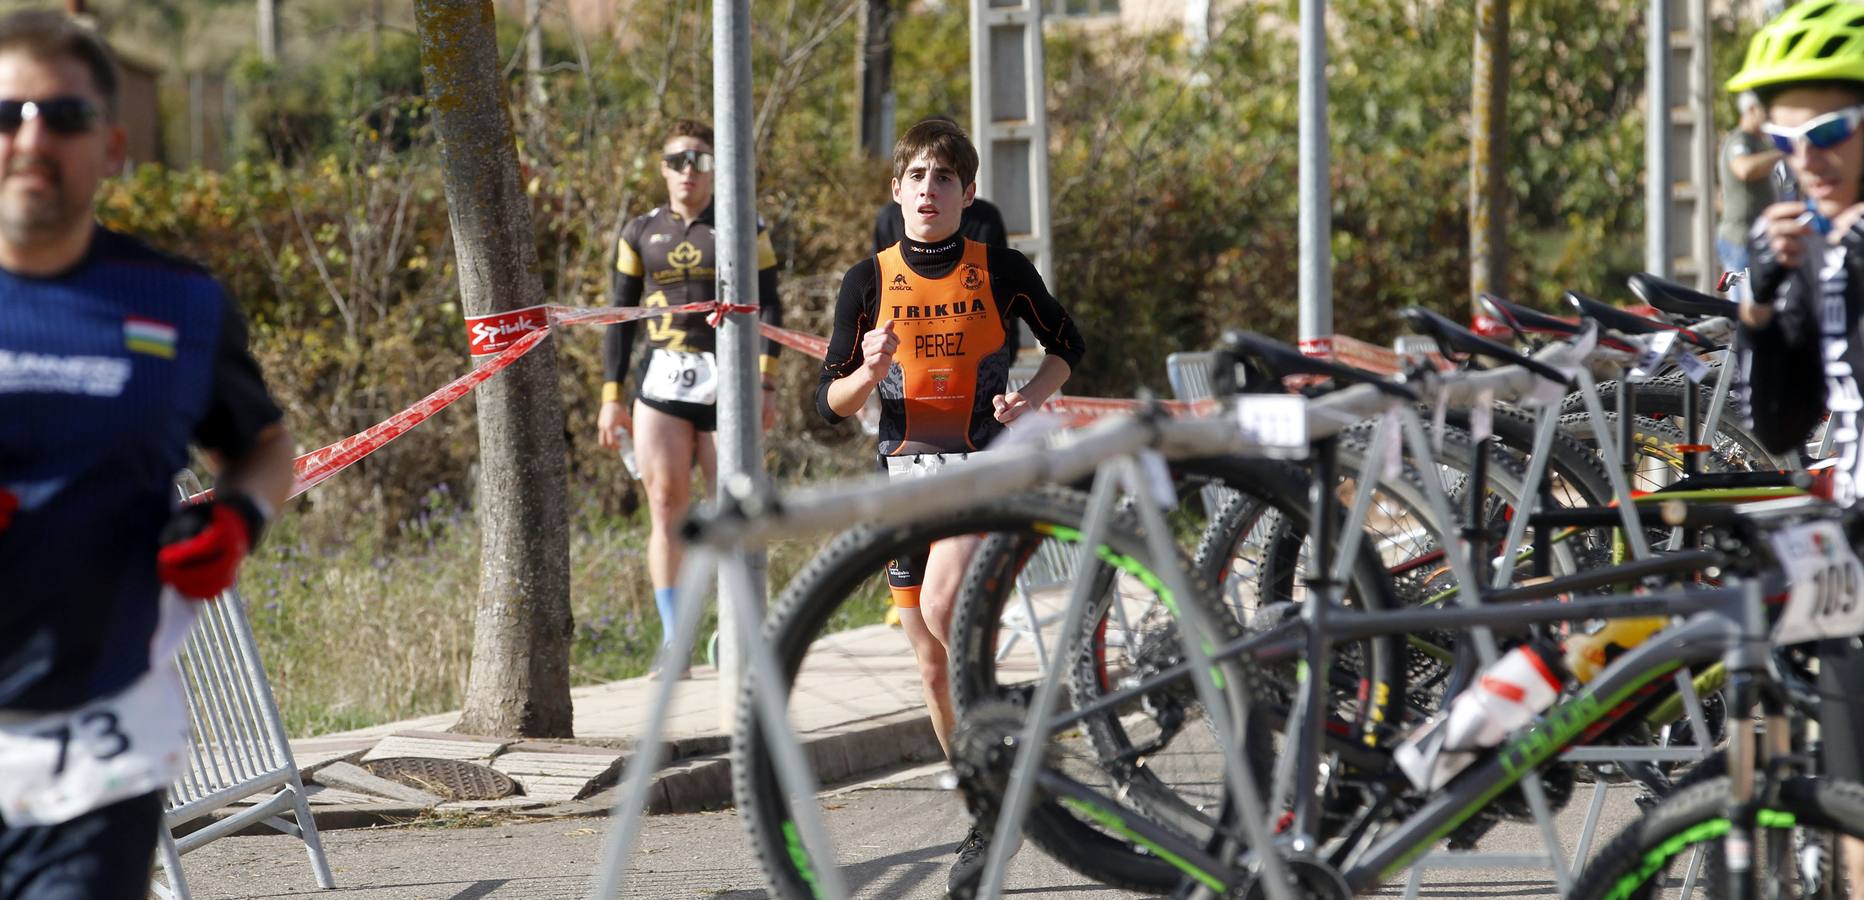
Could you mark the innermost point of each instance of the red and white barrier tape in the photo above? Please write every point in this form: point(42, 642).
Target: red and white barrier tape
point(503, 337)
point(316, 466)
point(500, 339)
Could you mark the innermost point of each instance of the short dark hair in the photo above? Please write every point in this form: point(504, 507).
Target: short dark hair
point(1771, 92)
point(941, 137)
point(46, 34)
point(689, 128)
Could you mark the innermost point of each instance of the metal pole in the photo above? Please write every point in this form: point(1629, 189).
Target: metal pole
point(268, 30)
point(1316, 205)
point(1488, 243)
point(1702, 143)
point(980, 96)
point(1657, 176)
point(739, 398)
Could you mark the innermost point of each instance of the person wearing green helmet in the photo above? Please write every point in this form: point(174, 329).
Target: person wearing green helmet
point(1802, 319)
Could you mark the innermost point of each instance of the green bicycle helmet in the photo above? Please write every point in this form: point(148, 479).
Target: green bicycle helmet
point(1813, 41)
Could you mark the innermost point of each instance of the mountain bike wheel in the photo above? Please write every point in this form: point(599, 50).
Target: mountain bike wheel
point(1662, 400)
point(844, 577)
point(1166, 762)
point(1795, 845)
point(1407, 540)
point(1157, 746)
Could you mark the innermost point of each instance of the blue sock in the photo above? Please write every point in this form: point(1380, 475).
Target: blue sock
point(663, 601)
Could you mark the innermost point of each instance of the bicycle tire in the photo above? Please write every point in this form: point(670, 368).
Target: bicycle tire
point(1662, 399)
point(810, 601)
point(1636, 863)
point(1091, 852)
point(1277, 502)
point(1132, 746)
point(1574, 462)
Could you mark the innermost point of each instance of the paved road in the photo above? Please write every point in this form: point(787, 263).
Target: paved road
point(900, 830)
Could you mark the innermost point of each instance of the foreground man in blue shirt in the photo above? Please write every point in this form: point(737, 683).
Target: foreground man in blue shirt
point(114, 359)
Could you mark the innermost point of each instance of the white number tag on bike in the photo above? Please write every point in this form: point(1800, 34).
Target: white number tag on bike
point(1653, 356)
point(1275, 424)
point(1826, 582)
point(680, 377)
point(58, 766)
point(1693, 367)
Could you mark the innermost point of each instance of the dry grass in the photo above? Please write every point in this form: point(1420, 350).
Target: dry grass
point(374, 628)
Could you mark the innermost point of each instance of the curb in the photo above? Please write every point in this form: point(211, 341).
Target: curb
point(697, 779)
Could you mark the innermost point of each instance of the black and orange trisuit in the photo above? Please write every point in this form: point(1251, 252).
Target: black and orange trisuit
point(953, 304)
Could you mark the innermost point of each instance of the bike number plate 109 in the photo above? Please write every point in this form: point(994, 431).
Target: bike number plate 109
point(1826, 594)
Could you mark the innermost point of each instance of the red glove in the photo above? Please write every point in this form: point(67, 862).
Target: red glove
point(9, 504)
point(203, 544)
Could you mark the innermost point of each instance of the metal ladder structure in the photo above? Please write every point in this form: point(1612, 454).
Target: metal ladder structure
point(1679, 151)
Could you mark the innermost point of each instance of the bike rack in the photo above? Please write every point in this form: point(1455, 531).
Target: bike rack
point(1190, 376)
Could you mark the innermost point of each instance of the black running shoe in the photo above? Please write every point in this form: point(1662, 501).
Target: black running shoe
point(968, 871)
point(973, 853)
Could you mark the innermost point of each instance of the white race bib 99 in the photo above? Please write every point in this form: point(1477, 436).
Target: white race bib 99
point(57, 766)
point(681, 377)
point(1826, 598)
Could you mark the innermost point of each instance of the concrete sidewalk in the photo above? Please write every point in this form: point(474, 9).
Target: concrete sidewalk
point(857, 708)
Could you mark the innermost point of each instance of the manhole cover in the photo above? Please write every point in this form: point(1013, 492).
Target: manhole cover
point(450, 778)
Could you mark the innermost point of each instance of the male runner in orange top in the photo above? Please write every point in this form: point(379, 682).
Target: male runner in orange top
point(925, 321)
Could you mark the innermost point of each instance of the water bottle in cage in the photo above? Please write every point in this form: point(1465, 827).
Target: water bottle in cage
point(1505, 697)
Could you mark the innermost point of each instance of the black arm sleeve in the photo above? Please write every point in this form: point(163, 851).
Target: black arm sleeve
point(889, 226)
point(854, 315)
point(1785, 366)
point(618, 340)
point(1031, 301)
point(239, 407)
point(624, 289)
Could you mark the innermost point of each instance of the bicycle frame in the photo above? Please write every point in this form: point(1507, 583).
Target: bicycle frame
point(1713, 631)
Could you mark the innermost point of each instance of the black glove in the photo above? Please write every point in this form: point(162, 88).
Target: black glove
point(1767, 278)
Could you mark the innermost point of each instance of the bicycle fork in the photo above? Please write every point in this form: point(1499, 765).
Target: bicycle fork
point(1749, 754)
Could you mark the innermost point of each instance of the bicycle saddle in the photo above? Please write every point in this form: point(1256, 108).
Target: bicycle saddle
point(1678, 300)
point(1627, 323)
point(1278, 361)
point(1454, 338)
point(1522, 319)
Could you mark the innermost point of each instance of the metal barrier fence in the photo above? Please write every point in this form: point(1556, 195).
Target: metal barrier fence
point(238, 749)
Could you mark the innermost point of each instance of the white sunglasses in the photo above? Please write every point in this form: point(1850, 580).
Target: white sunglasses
point(1824, 132)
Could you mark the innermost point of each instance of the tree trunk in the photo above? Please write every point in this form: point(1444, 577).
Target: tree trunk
point(874, 73)
point(519, 682)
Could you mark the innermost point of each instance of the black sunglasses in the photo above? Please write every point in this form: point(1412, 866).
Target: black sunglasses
point(679, 162)
point(61, 115)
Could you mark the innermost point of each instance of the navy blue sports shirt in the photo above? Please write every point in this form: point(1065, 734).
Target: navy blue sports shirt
point(107, 373)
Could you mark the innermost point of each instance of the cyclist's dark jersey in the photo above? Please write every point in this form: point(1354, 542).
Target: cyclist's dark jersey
point(107, 373)
point(1801, 367)
point(954, 302)
point(662, 260)
point(1804, 363)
